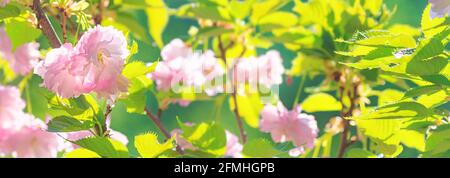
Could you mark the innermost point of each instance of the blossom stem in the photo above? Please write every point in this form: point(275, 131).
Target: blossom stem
point(45, 25)
point(223, 54)
point(299, 90)
point(161, 127)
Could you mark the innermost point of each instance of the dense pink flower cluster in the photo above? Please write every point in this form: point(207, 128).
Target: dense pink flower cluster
point(94, 65)
point(23, 58)
point(439, 8)
point(22, 135)
point(181, 66)
point(266, 70)
point(286, 125)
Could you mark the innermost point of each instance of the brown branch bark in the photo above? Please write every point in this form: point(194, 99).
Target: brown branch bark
point(45, 25)
point(161, 127)
point(223, 54)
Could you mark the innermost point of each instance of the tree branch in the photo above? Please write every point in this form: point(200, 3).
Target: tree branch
point(161, 127)
point(223, 54)
point(45, 25)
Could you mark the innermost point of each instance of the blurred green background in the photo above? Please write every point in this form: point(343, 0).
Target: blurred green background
point(408, 12)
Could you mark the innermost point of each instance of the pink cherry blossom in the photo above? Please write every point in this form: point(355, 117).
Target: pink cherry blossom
point(11, 106)
point(100, 56)
point(266, 70)
point(94, 65)
point(439, 8)
point(30, 141)
point(5, 44)
point(58, 74)
point(286, 125)
point(175, 49)
point(181, 67)
point(234, 148)
point(22, 135)
point(23, 59)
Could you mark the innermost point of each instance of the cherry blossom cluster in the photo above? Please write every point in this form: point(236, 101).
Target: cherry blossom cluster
point(23, 58)
point(21, 134)
point(94, 65)
point(285, 125)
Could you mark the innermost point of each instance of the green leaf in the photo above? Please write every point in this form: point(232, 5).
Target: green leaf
point(249, 107)
point(434, 99)
point(215, 13)
point(68, 124)
point(81, 153)
point(9, 11)
point(262, 8)
point(21, 32)
point(421, 90)
point(397, 111)
point(438, 142)
point(148, 145)
point(303, 64)
point(320, 102)
point(83, 108)
point(259, 148)
point(209, 138)
point(158, 17)
point(437, 79)
point(432, 26)
point(136, 69)
point(105, 147)
point(359, 153)
point(240, 9)
point(278, 19)
point(208, 32)
point(136, 73)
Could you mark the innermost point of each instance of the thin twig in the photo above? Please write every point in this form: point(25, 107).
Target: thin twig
point(345, 133)
point(223, 55)
point(45, 25)
point(63, 25)
point(161, 127)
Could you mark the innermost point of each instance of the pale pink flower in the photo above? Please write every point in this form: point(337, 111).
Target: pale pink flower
point(4, 2)
point(286, 125)
point(11, 106)
point(270, 69)
point(175, 49)
point(23, 59)
point(266, 70)
point(439, 8)
point(94, 65)
point(5, 44)
point(30, 140)
point(100, 56)
point(181, 67)
point(233, 148)
point(22, 135)
point(58, 74)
